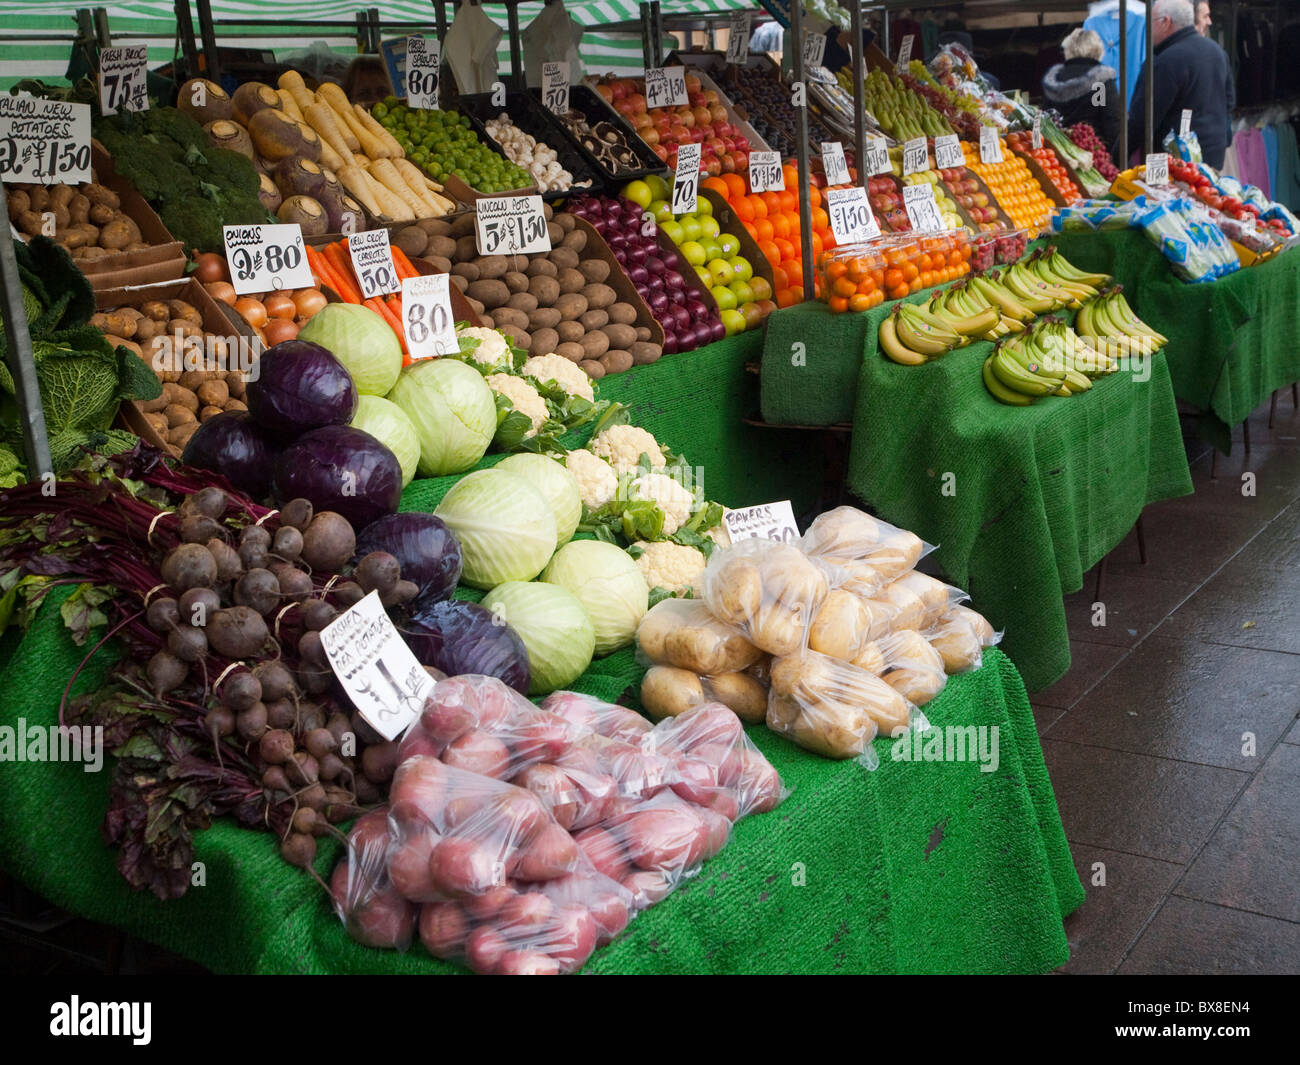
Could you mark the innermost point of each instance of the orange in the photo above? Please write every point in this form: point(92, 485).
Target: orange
point(717, 185)
point(751, 229)
point(763, 230)
point(814, 195)
point(820, 220)
point(817, 245)
point(839, 304)
point(860, 302)
point(789, 201)
point(780, 225)
point(744, 209)
point(788, 296)
point(787, 249)
point(772, 200)
point(791, 175)
point(780, 279)
point(843, 286)
point(770, 252)
point(794, 271)
point(756, 204)
point(897, 292)
point(737, 186)
point(927, 278)
point(910, 272)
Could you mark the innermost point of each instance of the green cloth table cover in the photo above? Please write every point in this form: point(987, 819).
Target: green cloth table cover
point(1232, 342)
point(917, 867)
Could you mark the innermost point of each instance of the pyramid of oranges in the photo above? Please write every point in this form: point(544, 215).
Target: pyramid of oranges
point(772, 219)
point(1013, 186)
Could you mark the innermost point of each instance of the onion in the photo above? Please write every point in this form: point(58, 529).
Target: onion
point(654, 264)
point(676, 295)
point(671, 260)
point(210, 267)
point(674, 280)
point(638, 275)
point(278, 330)
point(222, 292)
point(617, 242)
point(308, 301)
point(659, 305)
point(656, 283)
point(670, 343)
point(717, 330)
point(681, 318)
point(280, 305)
point(252, 310)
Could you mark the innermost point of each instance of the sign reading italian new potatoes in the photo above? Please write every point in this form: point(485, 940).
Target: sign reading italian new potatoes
point(44, 142)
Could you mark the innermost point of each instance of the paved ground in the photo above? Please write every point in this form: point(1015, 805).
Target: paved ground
point(1173, 742)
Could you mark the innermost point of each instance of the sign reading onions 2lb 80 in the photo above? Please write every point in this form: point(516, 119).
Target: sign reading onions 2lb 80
point(44, 142)
point(372, 262)
point(263, 258)
point(511, 225)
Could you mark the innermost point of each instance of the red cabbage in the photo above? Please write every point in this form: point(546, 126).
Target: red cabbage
point(342, 469)
point(428, 551)
point(458, 637)
point(232, 444)
point(299, 387)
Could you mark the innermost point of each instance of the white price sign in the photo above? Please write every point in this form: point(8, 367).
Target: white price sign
point(922, 211)
point(947, 152)
point(686, 178)
point(423, 63)
point(990, 145)
point(384, 680)
point(915, 157)
point(904, 52)
point(765, 173)
point(738, 36)
point(834, 165)
point(555, 87)
point(44, 142)
point(122, 79)
point(265, 258)
point(1036, 138)
point(426, 316)
point(814, 50)
point(1185, 122)
point(1156, 171)
point(767, 521)
point(851, 219)
point(512, 225)
point(372, 262)
point(877, 151)
point(665, 87)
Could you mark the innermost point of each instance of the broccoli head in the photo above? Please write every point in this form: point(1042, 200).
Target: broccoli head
point(196, 222)
point(230, 171)
point(175, 126)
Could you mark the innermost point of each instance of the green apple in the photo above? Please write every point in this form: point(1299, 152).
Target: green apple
point(744, 271)
point(725, 298)
point(690, 227)
point(693, 253)
point(733, 321)
point(673, 230)
point(702, 206)
point(662, 211)
point(728, 245)
point(744, 294)
point(639, 193)
point(711, 249)
point(705, 277)
point(721, 271)
point(709, 226)
point(658, 187)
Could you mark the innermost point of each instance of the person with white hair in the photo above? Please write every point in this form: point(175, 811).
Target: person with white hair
point(1083, 89)
point(1191, 72)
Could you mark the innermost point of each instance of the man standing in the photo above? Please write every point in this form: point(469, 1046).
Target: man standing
point(1203, 18)
point(1191, 73)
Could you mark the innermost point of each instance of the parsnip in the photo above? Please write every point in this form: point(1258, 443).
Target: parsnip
point(320, 116)
point(396, 151)
point(383, 171)
point(413, 176)
point(291, 82)
point(357, 183)
point(390, 204)
point(367, 142)
point(289, 104)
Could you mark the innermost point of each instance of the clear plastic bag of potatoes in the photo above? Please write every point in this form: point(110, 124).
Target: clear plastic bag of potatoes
point(770, 591)
point(372, 910)
point(684, 633)
point(959, 637)
point(667, 691)
point(605, 719)
point(909, 665)
point(846, 623)
point(917, 601)
point(872, 552)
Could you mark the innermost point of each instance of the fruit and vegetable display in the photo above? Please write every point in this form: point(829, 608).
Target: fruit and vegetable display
point(940, 185)
point(765, 102)
point(443, 143)
point(87, 219)
point(616, 150)
point(1082, 134)
point(901, 112)
point(274, 316)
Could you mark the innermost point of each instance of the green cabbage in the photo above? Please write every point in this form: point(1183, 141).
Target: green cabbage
point(608, 584)
point(388, 423)
point(453, 410)
point(558, 486)
point(362, 341)
point(505, 529)
point(556, 631)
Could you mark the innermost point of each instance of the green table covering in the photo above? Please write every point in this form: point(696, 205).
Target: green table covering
point(1232, 342)
point(917, 867)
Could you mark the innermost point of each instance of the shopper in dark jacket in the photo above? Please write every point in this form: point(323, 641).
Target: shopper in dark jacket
point(1083, 89)
point(1191, 71)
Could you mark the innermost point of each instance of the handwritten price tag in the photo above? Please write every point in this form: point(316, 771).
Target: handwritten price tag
point(384, 680)
point(44, 142)
point(665, 87)
point(738, 29)
point(814, 50)
point(915, 157)
point(686, 178)
point(265, 258)
point(512, 225)
point(922, 211)
point(834, 165)
point(767, 521)
point(372, 262)
point(905, 52)
point(851, 219)
point(122, 79)
point(990, 145)
point(1156, 171)
point(1036, 137)
point(765, 173)
point(1185, 122)
point(423, 64)
point(555, 87)
point(947, 152)
point(426, 316)
point(877, 152)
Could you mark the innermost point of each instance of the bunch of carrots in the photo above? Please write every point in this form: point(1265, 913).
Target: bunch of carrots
point(332, 266)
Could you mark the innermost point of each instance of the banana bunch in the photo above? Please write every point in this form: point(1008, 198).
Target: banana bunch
point(1110, 321)
point(953, 318)
point(1048, 360)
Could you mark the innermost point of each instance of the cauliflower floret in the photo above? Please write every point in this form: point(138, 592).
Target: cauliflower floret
point(568, 375)
point(523, 396)
point(623, 445)
point(493, 351)
point(676, 567)
point(675, 501)
point(597, 482)
point(719, 534)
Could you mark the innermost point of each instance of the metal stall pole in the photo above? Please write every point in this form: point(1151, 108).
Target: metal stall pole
point(372, 39)
point(1123, 84)
point(101, 28)
point(516, 48)
point(859, 91)
point(441, 8)
point(22, 367)
point(185, 30)
point(1151, 80)
point(801, 142)
point(212, 61)
point(647, 35)
point(363, 32)
point(885, 42)
point(657, 29)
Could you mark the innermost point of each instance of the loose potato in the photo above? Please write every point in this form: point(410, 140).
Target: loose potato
point(667, 691)
point(571, 305)
point(439, 245)
point(509, 316)
point(435, 227)
point(571, 280)
point(147, 329)
point(515, 281)
point(235, 383)
point(523, 301)
point(19, 202)
point(29, 222)
point(157, 420)
point(570, 332)
point(600, 295)
point(157, 310)
point(575, 240)
point(564, 220)
point(114, 235)
point(616, 361)
point(492, 266)
point(521, 339)
point(572, 352)
point(476, 307)
point(440, 264)
point(180, 435)
point(96, 193)
point(643, 334)
point(469, 271)
point(460, 281)
point(595, 344)
point(489, 293)
point(620, 336)
point(594, 369)
point(622, 313)
point(543, 318)
point(541, 267)
point(544, 342)
point(466, 249)
point(555, 233)
point(462, 225)
point(79, 209)
point(596, 319)
point(413, 240)
point(102, 215)
point(187, 311)
point(155, 406)
point(122, 342)
point(236, 404)
point(564, 258)
point(184, 327)
point(594, 270)
point(180, 397)
point(90, 255)
point(213, 393)
point(207, 412)
point(193, 380)
point(644, 353)
point(39, 197)
point(545, 289)
point(178, 415)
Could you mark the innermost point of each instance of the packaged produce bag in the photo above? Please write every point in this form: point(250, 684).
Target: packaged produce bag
point(770, 591)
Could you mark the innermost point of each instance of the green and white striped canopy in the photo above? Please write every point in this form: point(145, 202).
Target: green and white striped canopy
point(35, 37)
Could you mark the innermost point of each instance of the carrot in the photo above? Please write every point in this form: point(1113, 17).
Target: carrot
point(322, 269)
point(336, 257)
point(386, 313)
point(403, 264)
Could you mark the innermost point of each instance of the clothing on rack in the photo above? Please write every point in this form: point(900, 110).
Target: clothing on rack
point(1252, 159)
point(1270, 154)
point(1287, 188)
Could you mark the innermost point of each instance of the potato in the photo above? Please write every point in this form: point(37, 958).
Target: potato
point(466, 249)
point(459, 280)
point(180, 396)
point(622, 313)
point(544, 342)
point(184, 310)
point(439, 243)
point(158, 421)
point(540, 266)
point(478, 752)
point(102, 215)
point(469, 271)
point(570, 332)
point(413, 240)
point(550, 855)
point(575, 240)
point(545, 289)
point(840, 626)
point(463, 867)
point(620, 336)
point(594, 369)
point(96, 193)
point(741, 693)
point(213, 393)
point(79, 209)
point(594, 319)
point(571, 280)
point(563, 219)
point(207, 412)
point(515, 281)
point(543, 318)
point(193, 380)
point(115, 235)
point(594, 270)
point(18, 203)
point(492, 266)
point(179, 435)
point(571, 351)
point(667, 691)
point(157, 310)
point(521, 339)
point(184, 327)
point(490, 293)
point(643, 334)
point(663, 838)
point(599, 295)
point(476, 307)
point(439, 263)
point(564, 258)
point(122, 342)
point(616, 361)
point(644, 354)
point(571, 305)
point(87, 234)
point(555, 233)
point(603, 849)
point(523, 301)
point(178, 415)
point(235, 383)
point(30, 222)
point(463, 225)
point(509, 316)
point(39, 197)
point(236, 404)
point(595, 344)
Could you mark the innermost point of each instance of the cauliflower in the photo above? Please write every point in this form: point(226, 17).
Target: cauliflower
point(675, 501)
point(719, 535)
point(597, 482)
point(493, 351)
point(523, 397)
point(678, 568)
point(623, 445)
point(569, 376)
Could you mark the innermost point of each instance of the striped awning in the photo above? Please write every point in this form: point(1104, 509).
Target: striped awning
point(35, 38)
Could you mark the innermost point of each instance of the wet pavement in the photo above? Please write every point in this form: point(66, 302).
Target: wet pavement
point(1173, 742)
